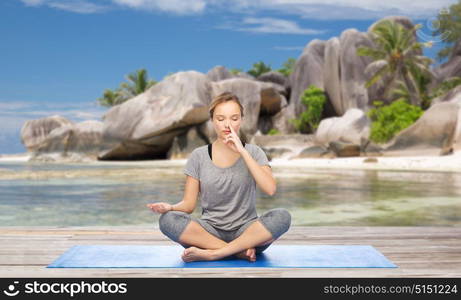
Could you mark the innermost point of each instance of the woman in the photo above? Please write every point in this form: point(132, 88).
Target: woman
point(225, 173)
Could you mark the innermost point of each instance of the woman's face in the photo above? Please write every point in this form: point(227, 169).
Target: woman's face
point(225, 115)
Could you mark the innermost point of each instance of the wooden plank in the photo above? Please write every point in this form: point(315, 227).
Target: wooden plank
point(418, 251)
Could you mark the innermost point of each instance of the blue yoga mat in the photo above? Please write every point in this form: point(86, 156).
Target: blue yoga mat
point(276, 256)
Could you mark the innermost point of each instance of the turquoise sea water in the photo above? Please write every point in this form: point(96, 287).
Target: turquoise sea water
point(39, 194)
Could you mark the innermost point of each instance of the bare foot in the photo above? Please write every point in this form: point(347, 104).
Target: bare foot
point(249, 254)
point(196, 254)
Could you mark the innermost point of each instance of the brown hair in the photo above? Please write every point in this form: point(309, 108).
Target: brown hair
point(224, 97)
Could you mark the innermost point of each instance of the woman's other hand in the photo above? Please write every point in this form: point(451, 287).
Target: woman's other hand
point(160, 207)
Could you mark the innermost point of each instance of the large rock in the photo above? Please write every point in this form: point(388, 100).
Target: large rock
point(274, 77)
point(34, 132)
point(145, 126)
point(344, 78)
point(341, 149)
point(249, 94)
point(332, 72)
point(452, 96)
point(282, 120)
point(353, 91)
point(454, 93)
point(432, 134)
point(71, 142)
point(219, 73)
point(335, 67)
point(283, 145)
point(256, 97)
point(244, 75)
point(308, 70)
point(272, 98)
point(314, 152)
point(457, 134)
point(445, 71)
point(369, 148)
point(352, 127)
point(185, 143)
point(451, 68)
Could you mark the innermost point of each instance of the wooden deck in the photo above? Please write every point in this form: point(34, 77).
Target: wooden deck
point(417, 251)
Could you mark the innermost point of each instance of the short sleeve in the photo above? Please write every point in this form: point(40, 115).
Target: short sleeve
point(261, 157)
point(192, 167)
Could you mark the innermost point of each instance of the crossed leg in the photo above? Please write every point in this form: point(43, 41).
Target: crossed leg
point(201, 240)
point(205, 246)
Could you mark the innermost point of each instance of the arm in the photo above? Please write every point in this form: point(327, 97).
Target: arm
point(188, 202)
point(261, 174)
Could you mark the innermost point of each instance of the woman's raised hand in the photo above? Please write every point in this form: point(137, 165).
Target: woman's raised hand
point(160, 207)
point(232, 141)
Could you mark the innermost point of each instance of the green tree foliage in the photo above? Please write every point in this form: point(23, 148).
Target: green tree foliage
point(273, 131)
point(422, 82)
point(314, 100)
point(395, 56)
point(235, 71)
point(110, 98)
point(288, 66)
point(259, 68)
point(138, 83)
point(446, 86)
point(447, 27)
point(388, 120)
point(402, 93)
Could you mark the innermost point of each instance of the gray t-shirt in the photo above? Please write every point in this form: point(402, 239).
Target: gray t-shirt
point(227, 195)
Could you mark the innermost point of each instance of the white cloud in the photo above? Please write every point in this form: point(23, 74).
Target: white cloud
point(312, 9)
point(32, 2)
point(13, 115)
point(172, 6)
point(82, 7)
point(268, 25)
point(345, 9)
point(76, 6)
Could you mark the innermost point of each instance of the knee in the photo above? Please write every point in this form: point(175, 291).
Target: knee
point(284, 217)
point(278, 221)
point(172, 223)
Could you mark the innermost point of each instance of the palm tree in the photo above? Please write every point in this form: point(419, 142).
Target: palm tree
point(288, 66)
point(447, 28)
point(396, 56)
point(110, 98)
point(137, 83)
point(259, 68)
point(403, 93)
point(235, 71)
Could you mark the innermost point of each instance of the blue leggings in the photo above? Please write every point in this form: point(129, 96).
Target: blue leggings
point(277, 221)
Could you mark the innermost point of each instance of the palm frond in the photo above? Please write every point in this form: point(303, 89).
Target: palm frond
point(377, 76)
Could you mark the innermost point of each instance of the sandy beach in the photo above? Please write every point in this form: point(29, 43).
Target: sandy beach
point(449, 163)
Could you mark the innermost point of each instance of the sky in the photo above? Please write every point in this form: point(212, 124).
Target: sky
point(58, 57)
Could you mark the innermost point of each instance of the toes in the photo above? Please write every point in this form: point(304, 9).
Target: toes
point(190, 254)
point(186, 254)
point(188, 250)
point(252, 254)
